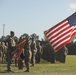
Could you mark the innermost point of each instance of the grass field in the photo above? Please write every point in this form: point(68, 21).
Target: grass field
point(46, 68)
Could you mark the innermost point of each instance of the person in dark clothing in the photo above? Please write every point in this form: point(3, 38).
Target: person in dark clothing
point(61, 54)
point(20, 61)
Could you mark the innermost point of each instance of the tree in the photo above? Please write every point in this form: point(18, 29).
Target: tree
point(3, 38)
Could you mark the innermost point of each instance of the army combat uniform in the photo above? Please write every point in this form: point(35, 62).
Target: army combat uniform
point(27, 53)
point(39, 52)
point(11, 47)
point(33, 50)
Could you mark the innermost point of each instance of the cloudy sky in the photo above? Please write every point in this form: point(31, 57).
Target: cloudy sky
point(33, 16)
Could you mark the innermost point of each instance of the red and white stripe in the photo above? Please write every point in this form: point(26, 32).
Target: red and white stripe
point(60, 34)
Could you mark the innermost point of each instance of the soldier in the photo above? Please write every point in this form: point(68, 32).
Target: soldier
point(39, 52)
point(11, 47)
point(65, 53)
point(27, 53)
point(0, 51)
point(61, 54)
point(33, 50)
point(4, 51)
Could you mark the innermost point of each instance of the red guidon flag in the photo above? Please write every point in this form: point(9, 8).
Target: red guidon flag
point(20, 45)
point(62, 33)
point(19, 48)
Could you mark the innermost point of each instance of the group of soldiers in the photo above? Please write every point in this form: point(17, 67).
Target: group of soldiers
point(30, 54)
point(30, 51)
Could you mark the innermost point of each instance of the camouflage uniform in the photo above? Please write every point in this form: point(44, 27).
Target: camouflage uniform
point(11, 47)
point(0, 51)
point(39, 52)
point(27, 53)
point(33, 50)
point(65, 53)
point(4, 51)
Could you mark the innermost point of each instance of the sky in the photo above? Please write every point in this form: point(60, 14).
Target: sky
point(33, 16)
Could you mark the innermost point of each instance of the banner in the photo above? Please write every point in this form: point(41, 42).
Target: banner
point(19, 48)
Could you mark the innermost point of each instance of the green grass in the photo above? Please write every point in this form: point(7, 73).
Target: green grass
point(68, 68)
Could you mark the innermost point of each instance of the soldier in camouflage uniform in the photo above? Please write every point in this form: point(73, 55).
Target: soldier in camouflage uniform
point(65, 53)
point(39, 52)
point(33, 50)
point(27, 53)
point(11, 47)
point(4, 51)
point(0, 51)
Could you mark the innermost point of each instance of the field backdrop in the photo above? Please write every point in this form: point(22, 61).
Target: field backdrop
point(45, 68)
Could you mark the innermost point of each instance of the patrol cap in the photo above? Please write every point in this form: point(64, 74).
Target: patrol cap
point(11, 32)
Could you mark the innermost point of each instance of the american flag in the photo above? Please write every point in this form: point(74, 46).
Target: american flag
point(62, 33)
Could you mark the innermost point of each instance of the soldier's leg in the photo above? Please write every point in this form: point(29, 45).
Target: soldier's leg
point(20, 64)
point(1, 56)
point(39, 58)
point(28, 66)
point(33, 59)
point(16, 62)
point(9, 57)
point(27, 63)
